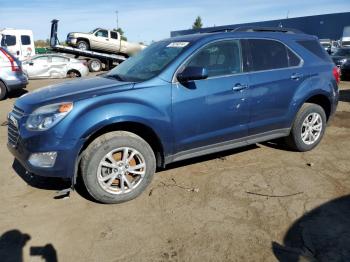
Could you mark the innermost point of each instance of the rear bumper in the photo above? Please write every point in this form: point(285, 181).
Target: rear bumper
point(19, 83)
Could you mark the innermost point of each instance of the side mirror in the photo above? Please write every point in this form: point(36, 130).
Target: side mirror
point(192, 73)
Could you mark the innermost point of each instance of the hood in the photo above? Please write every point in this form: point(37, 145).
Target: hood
point(71, 91)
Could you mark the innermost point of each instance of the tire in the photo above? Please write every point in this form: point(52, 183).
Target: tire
point(3, 91)
point(83, 45)
point(93, 171)
point(94, 65)
point(308, 112)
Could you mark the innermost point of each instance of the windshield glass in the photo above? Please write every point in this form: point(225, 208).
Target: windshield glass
point(342, 52)
point(149, 62)
point(93, 31)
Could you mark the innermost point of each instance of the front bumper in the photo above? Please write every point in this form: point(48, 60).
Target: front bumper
point(28, 142)
point(71, 41)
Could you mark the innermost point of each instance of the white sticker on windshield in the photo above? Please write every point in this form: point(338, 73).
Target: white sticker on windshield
point(178, 44)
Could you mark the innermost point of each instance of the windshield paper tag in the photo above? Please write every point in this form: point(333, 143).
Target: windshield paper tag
point(178, 44)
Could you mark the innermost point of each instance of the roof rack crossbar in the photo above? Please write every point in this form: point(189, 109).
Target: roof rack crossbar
point(257, 29)
point(267, 29)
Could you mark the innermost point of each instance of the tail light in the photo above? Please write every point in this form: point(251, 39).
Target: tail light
point(336, 74)
point(14, 66)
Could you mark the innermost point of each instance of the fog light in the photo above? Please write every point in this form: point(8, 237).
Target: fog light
point(46, 159)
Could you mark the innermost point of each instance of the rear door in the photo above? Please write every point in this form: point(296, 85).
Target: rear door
point(275, 75)
point(214, 111)
point(114, 42)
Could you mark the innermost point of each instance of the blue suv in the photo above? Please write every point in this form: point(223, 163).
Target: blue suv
point(179, 98)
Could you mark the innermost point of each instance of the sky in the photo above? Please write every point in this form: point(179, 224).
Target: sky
point(151, 20)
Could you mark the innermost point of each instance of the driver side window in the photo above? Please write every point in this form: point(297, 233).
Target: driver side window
point(219, 58)
point(102, 33)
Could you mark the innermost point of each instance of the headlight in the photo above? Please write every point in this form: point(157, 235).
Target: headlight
point(47, 116)
point(343, 61)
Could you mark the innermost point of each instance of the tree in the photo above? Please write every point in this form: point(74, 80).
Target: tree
point(197, 23)
point(121, 32)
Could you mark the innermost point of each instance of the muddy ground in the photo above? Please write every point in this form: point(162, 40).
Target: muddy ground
point(199, 210)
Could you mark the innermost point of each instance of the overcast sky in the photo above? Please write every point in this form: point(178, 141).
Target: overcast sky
point(152, 19)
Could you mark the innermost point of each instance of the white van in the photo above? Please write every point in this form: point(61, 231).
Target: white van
point(18, 42)
point(345, 41)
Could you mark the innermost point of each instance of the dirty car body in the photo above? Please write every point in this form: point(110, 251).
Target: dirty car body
point(184, 97)
point(54, 66)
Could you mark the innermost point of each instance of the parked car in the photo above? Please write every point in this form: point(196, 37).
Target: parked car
point(329, 45)
point(54, 66)
point(11, 74)
point(179, 98)
point(342, 59)
point(103, 40)
point(19, 42)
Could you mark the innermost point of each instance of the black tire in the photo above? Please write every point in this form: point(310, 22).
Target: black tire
point(3, 91)
point(94, 65)
point(97, 151)
point(294, 140)
point(81, 43)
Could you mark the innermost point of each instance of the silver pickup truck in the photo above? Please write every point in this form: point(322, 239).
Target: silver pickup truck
point(103, 40)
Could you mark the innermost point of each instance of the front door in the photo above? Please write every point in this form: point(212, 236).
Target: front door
point(212, 112)
point(100, 40)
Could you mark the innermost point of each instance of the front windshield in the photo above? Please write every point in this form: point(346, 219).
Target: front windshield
point(342, 52)
point(150, 62)
point(93, 31)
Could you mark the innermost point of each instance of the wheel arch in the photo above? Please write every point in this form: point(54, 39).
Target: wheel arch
point(74, 70)
point(140, 129)
point(321, 100)
point(84, 39)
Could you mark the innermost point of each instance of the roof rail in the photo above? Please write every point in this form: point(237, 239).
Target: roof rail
point(266, 29)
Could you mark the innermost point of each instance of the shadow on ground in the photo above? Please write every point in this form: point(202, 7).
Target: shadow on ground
point(12, 243)
point(47, 183)
point(344, 95)
point(17, 93)
point(320, 235)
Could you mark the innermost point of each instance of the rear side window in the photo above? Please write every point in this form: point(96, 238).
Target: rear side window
point(267, 54)
point(114, 35)
point(314, 47)
point(220, 58)
point(25, 39)
point(8, 40)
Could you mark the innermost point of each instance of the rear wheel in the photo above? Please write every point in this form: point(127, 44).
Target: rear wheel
point(83, 45)
point(117, 167)
point(95, 65)
point(308, 128)
point(3, 91)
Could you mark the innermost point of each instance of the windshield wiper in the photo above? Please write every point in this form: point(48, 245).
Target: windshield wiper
point(117, 77)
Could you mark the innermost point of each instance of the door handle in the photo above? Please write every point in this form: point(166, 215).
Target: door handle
point(239, 87)
point(296, 76)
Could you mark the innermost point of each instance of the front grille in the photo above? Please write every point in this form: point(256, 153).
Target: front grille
point(12, 130)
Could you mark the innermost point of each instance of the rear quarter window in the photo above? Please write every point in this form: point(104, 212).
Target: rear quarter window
point(314, 47)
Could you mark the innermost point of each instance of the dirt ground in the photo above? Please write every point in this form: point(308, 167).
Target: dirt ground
point(198, 210)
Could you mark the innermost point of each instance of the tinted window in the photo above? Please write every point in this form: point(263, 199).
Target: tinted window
point(314, 47)
point(25, 39)
point(268, 54)
point(221, 58)
point(8, 40)
point(342, 52)
point(102, 33)
point(114, 35)
point(293, 59)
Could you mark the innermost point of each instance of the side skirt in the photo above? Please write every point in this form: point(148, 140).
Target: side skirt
point(240, 142)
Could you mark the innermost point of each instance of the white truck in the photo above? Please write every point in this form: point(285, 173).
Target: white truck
point(104, 40)
point(19, 42)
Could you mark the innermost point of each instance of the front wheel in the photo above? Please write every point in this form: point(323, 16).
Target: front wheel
point(83, 45)
point(117, 167)
point(308, 128)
